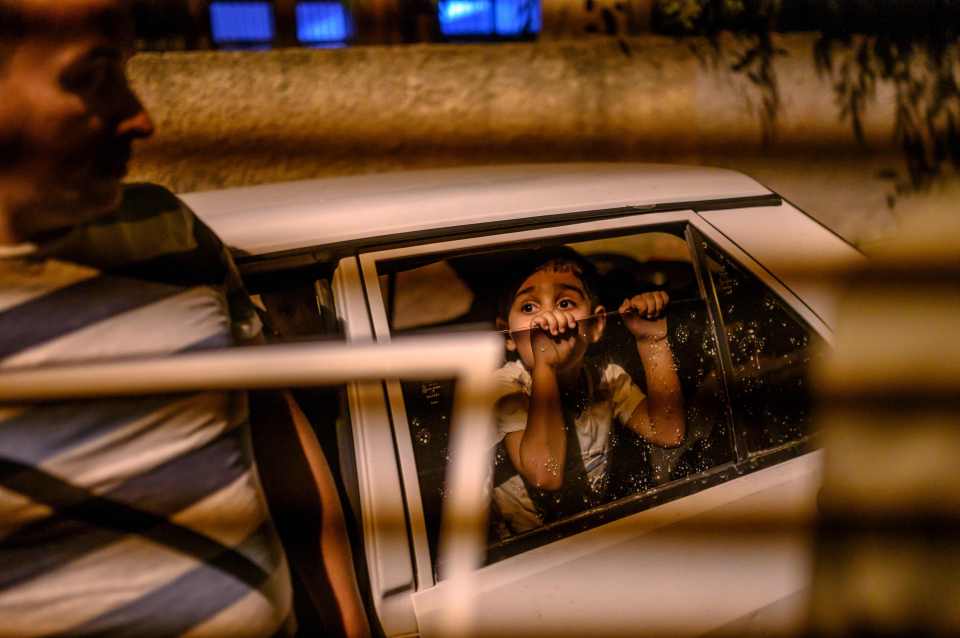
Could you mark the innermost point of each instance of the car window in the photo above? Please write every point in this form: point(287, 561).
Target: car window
point(609, 461)
point(299, 306)
point(770, 349)
point(298, 309)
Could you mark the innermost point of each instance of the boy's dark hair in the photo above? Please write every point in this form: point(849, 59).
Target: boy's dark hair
point(530, 261)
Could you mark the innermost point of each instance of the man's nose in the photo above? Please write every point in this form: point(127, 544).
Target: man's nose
point(138, 125)
point(132, 119)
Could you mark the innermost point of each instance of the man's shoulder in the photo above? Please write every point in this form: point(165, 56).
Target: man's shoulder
point(143, 200)
point(151, 234)
point(150, 222)
point(141, 205)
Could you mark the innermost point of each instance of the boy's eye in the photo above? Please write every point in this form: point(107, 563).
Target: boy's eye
point(565, 304)
point(527, 307)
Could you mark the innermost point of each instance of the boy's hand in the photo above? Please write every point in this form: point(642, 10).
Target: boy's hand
point(553, 337)
point(643, 315)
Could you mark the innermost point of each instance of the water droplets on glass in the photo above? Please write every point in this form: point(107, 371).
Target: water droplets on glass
point(423, 436)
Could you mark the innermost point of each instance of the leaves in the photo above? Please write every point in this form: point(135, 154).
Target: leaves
point(910, 46)
point(922, 74)
point(609, 21)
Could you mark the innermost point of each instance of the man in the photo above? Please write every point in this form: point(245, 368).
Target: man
point(140, 517)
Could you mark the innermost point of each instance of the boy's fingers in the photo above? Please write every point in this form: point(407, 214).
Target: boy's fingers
point(649, 305)
point(658, 304)
point(663, 299)
point(543, 323)
point(552, 321)
point(643, 305)
point(561, 320)
point(539, 322)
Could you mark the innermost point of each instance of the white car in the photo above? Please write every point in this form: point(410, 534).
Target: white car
point(708, 536)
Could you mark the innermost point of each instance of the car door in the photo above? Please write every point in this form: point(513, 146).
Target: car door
point(699, 528)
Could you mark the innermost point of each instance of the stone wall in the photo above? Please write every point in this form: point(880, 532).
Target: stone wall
point(232, 118)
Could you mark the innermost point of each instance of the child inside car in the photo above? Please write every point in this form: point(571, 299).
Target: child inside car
point(556, 403)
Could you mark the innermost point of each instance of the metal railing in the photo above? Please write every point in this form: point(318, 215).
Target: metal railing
point(470, 359)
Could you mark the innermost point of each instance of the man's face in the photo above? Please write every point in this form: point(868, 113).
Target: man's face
point(68, 118)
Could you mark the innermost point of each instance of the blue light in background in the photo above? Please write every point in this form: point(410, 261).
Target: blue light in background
point(466, 17)
point(322, 23)
point(241, 22)
point(486, 18)
point(518, 17)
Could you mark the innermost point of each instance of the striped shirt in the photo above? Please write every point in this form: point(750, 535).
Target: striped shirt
point(132, 516)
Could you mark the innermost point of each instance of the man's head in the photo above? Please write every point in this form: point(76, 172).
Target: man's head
point(552, 279)
point(68, 117)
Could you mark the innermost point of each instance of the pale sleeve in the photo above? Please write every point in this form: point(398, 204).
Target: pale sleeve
point(625, 393)
point(512, 400)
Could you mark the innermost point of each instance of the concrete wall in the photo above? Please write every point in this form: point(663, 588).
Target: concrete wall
point(229, 119)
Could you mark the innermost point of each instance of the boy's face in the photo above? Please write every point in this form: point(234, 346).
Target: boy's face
point(555, 289)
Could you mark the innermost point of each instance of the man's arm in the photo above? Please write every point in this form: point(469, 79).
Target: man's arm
point(299, 486)
point(335, 552)
point(306, 507)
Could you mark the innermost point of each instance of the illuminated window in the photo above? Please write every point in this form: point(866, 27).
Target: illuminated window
point(466, 17)
point(489, 18)
point(518, 17)
point(323, 23)
point(241, 23)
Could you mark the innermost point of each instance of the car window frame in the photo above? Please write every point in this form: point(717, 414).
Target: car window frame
point(569, 232)
point(698, 242)
point(707, 231)
point(391, 569)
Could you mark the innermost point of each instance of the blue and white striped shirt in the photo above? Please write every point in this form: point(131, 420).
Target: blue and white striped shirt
point(133, 516)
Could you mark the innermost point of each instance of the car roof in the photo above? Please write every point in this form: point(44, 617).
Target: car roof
point(258, 220)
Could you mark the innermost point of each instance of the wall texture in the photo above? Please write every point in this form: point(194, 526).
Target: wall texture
point(230, 118)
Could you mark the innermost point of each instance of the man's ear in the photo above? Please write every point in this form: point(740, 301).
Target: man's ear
point(596, 327)
point(510, 343)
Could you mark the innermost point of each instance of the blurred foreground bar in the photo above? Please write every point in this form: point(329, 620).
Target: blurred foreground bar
point(887, 554)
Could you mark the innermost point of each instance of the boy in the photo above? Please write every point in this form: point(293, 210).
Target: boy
point(555, 410)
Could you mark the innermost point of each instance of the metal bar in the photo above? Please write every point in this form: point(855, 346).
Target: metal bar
point(257, 367)
point(463, 528)
point(471, 359)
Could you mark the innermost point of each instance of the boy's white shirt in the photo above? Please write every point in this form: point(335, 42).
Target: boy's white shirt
point(593, 424)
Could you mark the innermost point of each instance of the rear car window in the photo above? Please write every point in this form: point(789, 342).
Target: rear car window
point(770, 351)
